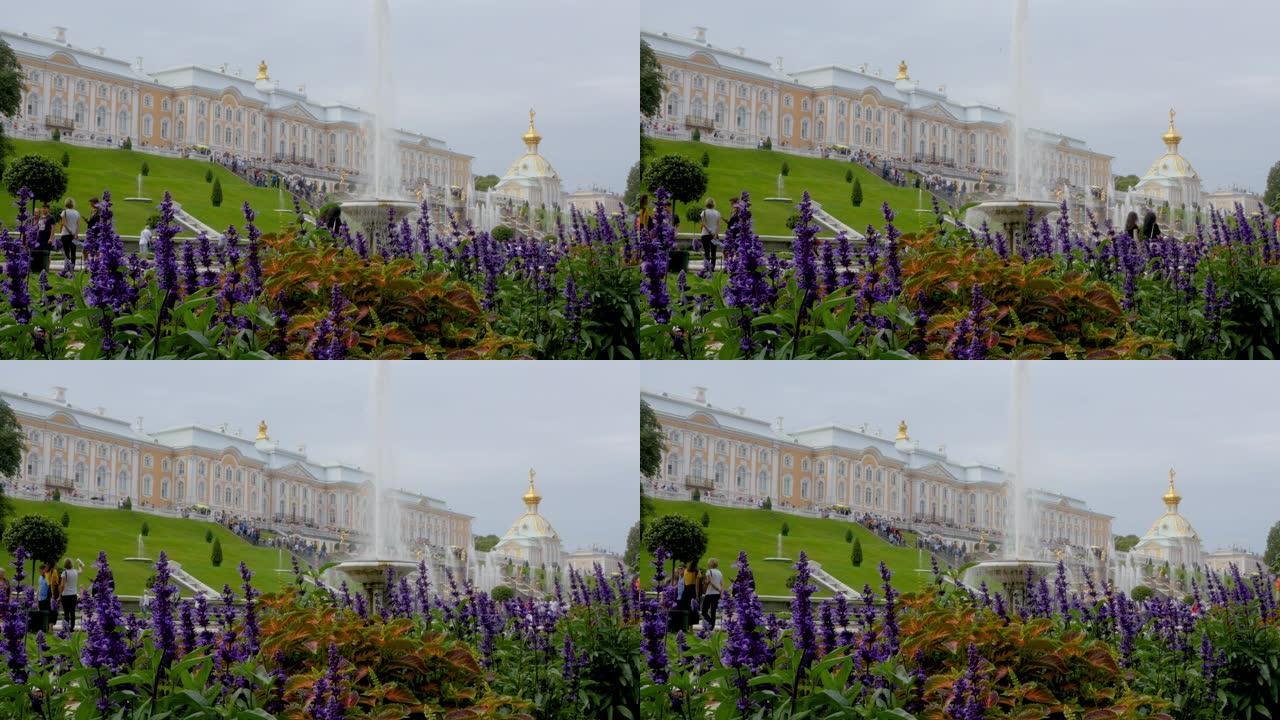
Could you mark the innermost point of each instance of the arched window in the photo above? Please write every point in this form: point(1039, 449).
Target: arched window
point(786, 486)
point(822, 130)
point(868, 496)
point(762, 121)
point(840, 491)
point(122, 483)
point(804, 128)
point(673, 105)
point(100, 119)
point(699, 107)
point(122, 122)
point(697, 468)
point(741, 120)
point(182, 490)
point(200, 494)
point(822, 490)
point(100, 477)
point(164, 488)
point(146, 126)
point(79, 474)
point(762, 482)
point(742, 477)
point(786, 126)
point(33, 105)
point(804, 487)
point(58, 469)
point(57, 108)
point(719, 473)
point(822, 108)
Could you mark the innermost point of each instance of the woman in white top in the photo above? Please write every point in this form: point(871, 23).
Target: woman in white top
point(70, 230)
point(144, 242)
point(70, 592)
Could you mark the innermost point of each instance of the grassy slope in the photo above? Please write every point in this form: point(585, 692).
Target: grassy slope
point(94, 169)
point(116, 532)
point(733, 170)
point(756, 532)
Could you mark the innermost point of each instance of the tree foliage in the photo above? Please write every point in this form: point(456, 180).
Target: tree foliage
point(1271, 196)
point(681, 537)
point(651, 442)
point(1125, 543)
point(680, 176)
point(38, 535)
point(484, 182)
point(1126, 182)
point(1272, 554)
point(856, 555)
point(215, 197)
point(856, 196)
point(485, 543)
point(706, 519)
point(46, 180)
point(10, 91)
point(650, 81)
point(215, 555)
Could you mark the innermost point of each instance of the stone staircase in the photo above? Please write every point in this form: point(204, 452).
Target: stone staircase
point(190, 582)
point(832, 223)
point(831, 582)
point(194, 224)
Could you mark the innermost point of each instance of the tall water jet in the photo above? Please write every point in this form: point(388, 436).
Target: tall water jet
point(1020, 209)
point(1019, 566)
point(385, 202)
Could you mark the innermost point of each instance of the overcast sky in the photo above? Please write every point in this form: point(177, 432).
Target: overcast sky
point(467, 72)
point(466, 433)
point(1108, 71)
point(1106, 433)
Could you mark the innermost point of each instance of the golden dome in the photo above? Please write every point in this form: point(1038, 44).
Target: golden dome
point(1172, 498)
point(532, 498)
point(531, 136)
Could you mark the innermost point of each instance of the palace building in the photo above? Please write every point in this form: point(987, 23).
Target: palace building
point(732, 97)
point(734, 458)
point(93, 456)
point(91, 96)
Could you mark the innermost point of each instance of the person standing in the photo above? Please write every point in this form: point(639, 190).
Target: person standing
point(54, 579)
point(70, 230)
point(691, 600)
point(711, 595)
point(44, 229)
point(710, 233)
point(42, 594)
point(70, 590)
point(144, 240)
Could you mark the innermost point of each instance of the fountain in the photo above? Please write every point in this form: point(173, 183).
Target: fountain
point(1017, 213)
point(778, 557)
point(372, 573)
point(386, 203)
point(782, 192)
point(142, 552)
point(1017, 567)
point(139, 197)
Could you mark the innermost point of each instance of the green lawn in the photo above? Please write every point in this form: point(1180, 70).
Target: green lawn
point(116, 532)
point(733, 170)
point(756, 531)
point(94, 169)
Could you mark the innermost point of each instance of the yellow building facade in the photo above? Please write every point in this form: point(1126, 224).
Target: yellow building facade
point(90, 456)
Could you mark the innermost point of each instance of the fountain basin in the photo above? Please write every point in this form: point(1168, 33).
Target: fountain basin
point(137, 199)
point(778, 199)
point(139, 559)
point(1009, 216)
point(371, 216)
point(1007, 576)
point(371, 575)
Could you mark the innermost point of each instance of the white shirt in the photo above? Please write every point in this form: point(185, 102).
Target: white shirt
point(145, 240)
point(715, 580)
point(69, 578)
point(711, 220)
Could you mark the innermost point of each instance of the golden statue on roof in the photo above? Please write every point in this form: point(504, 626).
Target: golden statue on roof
point(902, 431)
point(262, 71)
point(262, 430)
point(902, 71)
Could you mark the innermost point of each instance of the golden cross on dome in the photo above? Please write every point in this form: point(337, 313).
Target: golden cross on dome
point(1172, 114)
point(532, 474)
point(531, 114)
point(1172, 475)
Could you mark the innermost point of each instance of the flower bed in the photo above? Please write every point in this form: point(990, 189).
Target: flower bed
point(955, 653)
point(1066, 292)
point(326, 654)
point(327, 295)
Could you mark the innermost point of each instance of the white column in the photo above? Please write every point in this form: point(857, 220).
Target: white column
point(136, 121)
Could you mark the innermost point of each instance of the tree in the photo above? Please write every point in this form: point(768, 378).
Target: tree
point(1271, 196)
point(1140, 593)
point(635, 184)
point(768, 143)
point(12, 441)
point(696, 495)
point(38, 535)
point(215, 556)
point(706, 519)
point(146, 529)
point(66, 159)
point(485, 182)
point(208, 536)
point(1272, 554)
point(215, 197)
point(1125, 182)
point(856, 555)
point(696, 135)
point(652, 443)
point(145, 169)
point(848, 535)
point(1125, 543)
point(57, 495)
point(501, 593)
point(848, 175)
point(857, 193)
point(786, 169)
point(128, 503)
point(678, 535)
point(56, 136)
point(768, 503)
point(127, 144)
point(485, 543)
point(501, 233)
point(66, 519)
point(10, 91)
point(46, 180)
point(635, 538)
point(208, 175)
point(706, 159)
point(786, 529)
point(650, 82)
point(680, 176)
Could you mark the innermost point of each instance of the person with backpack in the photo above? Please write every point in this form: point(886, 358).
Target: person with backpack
point(70, 231)
point(710, 233)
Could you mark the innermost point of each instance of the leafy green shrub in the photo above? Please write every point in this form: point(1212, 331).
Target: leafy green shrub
point(856, 196)
point(785, 529)
point(768, 143)
point(696, 495)
point(706, 159)
point(46, 180)
point(128, 503)
point(768, 503)
point(146, 529)
point(848, 176)
point(855, 556)
point(215, 555)
point(66, 159)
point(208, 175)
point(208, 536)
point(501, 593)
point(786, 169)
point(682, 538)
point(706, 519)
point(696, 135)
point(1140, 593)
point(215, 197)
point(145, 170)
point(44, 539)
point(792, 221)
point(502, 233)
point(848, 535)
point(57, 135)
point(693, 213)
point(127, 144)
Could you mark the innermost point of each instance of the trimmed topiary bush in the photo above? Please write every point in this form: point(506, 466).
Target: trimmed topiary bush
point(215, 197)
point(502, 233)
point(501, 593)
point(215, 556)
